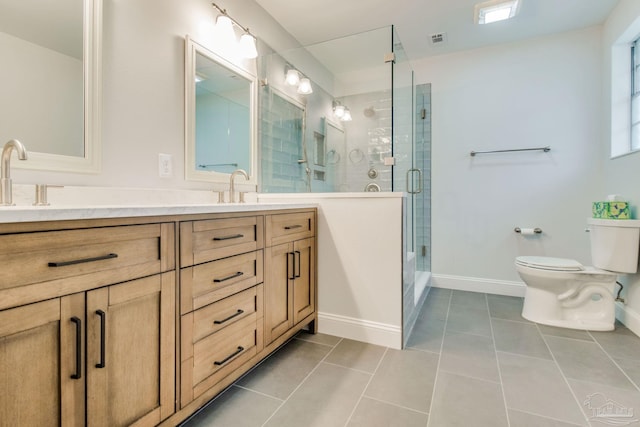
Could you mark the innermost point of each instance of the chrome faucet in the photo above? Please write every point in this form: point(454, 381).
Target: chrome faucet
point(6, 198)
point(232, 191)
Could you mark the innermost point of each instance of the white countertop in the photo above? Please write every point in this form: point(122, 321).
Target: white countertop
point(11, 214)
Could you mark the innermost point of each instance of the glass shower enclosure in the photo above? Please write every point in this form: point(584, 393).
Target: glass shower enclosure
point(365, 128)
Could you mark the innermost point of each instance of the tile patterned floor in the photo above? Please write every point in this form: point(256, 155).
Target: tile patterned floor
point(472, 361)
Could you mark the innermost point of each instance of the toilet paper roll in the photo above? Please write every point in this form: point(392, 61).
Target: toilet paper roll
point(528, 231)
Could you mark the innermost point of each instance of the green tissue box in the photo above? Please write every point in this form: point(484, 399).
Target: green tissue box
point(611, 210)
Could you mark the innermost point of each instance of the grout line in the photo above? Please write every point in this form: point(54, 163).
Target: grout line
point(495, 352)
point(566, 381)
point(352, 369)
point(396, 405)
point(257, 392)
point(421, 350)
point(566, 338)
point(315, 342)
point(511, 320)
point(546, 417)
point(458, 374)
point(301, 382)
point(614, 362)
point(435, 379)
point(526, 355)
point(353, 411)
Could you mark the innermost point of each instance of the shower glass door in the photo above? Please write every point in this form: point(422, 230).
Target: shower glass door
point(409, 118)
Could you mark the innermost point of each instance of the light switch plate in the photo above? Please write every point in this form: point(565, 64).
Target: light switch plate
point(165, 167)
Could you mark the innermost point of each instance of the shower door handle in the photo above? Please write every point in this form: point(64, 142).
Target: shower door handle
point(410, 172)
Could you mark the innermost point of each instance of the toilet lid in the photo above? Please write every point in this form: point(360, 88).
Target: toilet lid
point(548, 263)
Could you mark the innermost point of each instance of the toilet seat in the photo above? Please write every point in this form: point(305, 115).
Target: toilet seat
point(550, 263)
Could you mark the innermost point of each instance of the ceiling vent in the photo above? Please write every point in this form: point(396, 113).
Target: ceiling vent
point(438, 39)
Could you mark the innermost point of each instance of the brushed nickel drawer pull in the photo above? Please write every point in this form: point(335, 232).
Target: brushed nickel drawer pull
point(234, 236)
point(238, 274)
point(291, 227)
point(220, 322)
point(78, 373)
point(229, 357)
point(82, 261)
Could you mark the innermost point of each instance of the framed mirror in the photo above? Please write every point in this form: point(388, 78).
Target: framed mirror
point(51, 82)
point(220, 122)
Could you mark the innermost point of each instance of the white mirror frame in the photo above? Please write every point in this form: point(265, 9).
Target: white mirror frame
point(92, 90)
point(190, 172)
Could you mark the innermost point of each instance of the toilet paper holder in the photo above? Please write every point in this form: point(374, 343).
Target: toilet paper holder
point(536, 230)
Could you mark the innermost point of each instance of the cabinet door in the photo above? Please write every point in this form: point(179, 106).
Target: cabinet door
point(130, 352)
point(304, 284)
point(39, 354)
point(278, 290)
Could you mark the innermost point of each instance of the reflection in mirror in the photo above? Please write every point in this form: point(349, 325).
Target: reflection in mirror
point(220, 114)
point(285, 167)
point(336, 154)
point(49, 82)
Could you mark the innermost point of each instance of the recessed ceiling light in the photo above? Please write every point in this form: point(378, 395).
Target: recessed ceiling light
point(496, 10)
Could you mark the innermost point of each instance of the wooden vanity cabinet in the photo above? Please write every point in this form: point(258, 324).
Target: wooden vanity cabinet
point(221, 300)
point(89, 354)
point(290, 274)
point(101, 326)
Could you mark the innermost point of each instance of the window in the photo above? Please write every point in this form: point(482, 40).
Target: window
point(635, 95)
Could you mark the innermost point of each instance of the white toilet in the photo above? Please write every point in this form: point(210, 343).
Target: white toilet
point(564, 293)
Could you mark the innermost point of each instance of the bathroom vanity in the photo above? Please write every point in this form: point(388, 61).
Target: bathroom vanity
point(142, 317)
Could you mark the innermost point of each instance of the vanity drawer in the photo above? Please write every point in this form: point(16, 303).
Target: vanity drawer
point(218, 355)
point(204, 284)
point(221, 314)
point(42, 265)
point(281, 228)
point(208, 240)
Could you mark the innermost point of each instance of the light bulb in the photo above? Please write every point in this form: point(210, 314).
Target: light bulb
point(248, 46)
point(304, 87)
point(347, 115)
point(225, 33)
point(292, 78)
point(339, 111)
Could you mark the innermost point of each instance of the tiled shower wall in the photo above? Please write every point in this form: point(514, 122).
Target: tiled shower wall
point(280, 130)
point(368, 141)
point(423, 161)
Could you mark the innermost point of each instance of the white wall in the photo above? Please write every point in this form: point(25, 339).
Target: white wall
point(621, 175)
point(535, 93)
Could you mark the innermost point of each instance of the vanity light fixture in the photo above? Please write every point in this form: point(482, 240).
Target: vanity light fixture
point(304, 87)
point(248, 46)
point(224, 27)
point(496, 10)
point(292, 77)
point(341, 111)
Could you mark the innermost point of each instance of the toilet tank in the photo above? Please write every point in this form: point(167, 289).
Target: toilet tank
point(614, 244)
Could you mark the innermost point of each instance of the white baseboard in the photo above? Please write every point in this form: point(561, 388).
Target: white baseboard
point(360, 330)
point(475, 284)
point(629, 317)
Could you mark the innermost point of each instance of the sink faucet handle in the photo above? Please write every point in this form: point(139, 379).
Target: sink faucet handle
point(242, 193)
point(41, 194)
point(220, 196)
